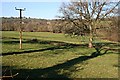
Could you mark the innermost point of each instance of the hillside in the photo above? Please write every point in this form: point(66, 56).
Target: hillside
point(28, 24)
point(107, 29)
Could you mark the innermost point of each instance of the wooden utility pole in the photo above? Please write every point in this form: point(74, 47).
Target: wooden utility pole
point(20, 30)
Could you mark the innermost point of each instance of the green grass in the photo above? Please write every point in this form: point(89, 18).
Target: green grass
point(55, 55)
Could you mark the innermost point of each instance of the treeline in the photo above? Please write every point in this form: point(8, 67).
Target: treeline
point(107, 28)
point(28, 24)
point(32, 25)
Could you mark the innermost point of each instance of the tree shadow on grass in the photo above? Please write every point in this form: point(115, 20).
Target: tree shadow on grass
point(37, 41)
point(50, 73)
point(55, 44)
point(47, 73)
point(100, 47)
point(62, 45)
point(37, 50)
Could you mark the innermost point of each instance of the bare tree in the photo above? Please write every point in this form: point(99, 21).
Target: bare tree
point(87, 14)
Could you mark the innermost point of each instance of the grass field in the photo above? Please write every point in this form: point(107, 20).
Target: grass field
point(56, 56)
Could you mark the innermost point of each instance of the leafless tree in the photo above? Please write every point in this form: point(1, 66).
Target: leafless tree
point(87, 14)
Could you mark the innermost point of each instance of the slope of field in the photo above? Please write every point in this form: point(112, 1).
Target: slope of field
point(49, 55)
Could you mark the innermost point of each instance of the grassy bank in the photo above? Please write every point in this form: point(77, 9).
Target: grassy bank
point(55, 55)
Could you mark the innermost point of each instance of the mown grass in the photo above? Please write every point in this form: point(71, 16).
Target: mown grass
point(54, 55)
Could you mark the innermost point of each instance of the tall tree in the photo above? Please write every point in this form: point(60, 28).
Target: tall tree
point(86, 15)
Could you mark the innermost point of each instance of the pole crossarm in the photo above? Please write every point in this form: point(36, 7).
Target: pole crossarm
point(20, 9)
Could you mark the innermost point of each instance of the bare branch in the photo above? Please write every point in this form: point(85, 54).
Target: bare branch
point(100, 10)
point(111, 10)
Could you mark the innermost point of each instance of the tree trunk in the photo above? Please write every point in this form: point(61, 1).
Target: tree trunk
point(91, 37)
point(90, 43)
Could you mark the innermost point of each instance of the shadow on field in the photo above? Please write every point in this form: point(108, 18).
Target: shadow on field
point(53, 72)
point(59, 45)
point(49, 73)
point(99, 47)
point(12, 40)
point(55, 44)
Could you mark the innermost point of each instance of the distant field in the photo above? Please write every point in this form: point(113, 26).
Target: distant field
point(56, 56)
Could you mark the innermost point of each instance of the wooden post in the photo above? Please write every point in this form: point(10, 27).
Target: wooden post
point(20, 31)
point(20, 39)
